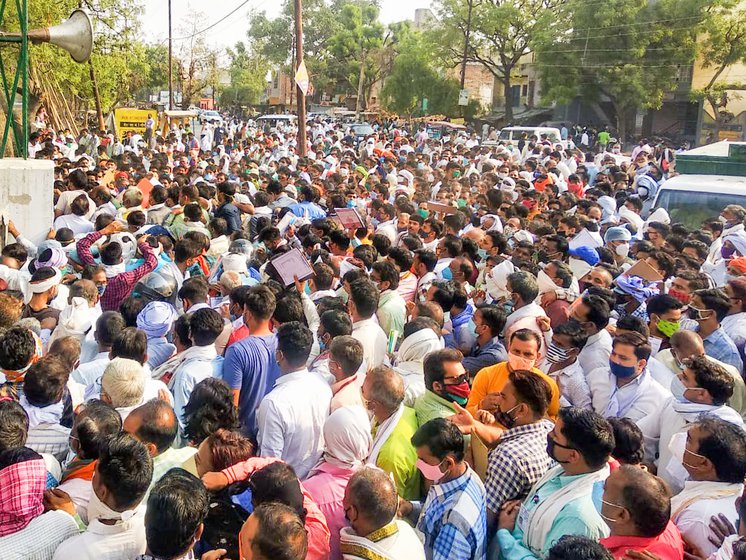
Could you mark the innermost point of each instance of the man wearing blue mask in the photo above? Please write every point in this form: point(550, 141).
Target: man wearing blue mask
point(625, 388)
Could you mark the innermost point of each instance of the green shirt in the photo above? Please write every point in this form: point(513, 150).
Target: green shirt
point(398, 457)
point(603, 137)
point(430, 406)
point(392, 312)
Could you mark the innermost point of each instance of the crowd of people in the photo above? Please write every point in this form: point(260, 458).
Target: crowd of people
point(499, 351)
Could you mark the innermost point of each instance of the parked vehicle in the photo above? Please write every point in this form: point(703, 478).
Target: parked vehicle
point(515, 133)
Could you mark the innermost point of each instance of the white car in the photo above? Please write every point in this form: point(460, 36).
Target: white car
point(212, 117)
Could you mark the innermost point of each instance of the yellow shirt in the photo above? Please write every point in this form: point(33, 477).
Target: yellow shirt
point(492, 379)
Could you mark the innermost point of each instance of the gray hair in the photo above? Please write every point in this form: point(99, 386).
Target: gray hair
point(124, 383)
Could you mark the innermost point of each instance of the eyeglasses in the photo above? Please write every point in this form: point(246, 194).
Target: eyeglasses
point(456, 380)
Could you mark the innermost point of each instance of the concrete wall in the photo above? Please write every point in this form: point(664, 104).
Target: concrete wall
point(27, 196)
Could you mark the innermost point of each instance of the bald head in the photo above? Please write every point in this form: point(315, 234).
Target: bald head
point(373, 495)
point(476, 234)
point(687, 344)
point(67, 349)
point(647, 499)
point(153, 424)
point(384, 387)
point(429, 309)
point(85, 289)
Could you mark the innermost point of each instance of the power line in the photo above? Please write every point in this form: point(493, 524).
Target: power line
point(201, 31)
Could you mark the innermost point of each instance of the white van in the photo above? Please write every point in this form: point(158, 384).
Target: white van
point(273, 121)
point(692, 199)
point(515, 133)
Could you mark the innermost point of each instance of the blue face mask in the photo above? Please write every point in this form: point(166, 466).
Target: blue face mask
point(322, 345)
point(447, 273)
point(473, 328)
point(482, 253)
point(351, 204)
point(620, 371)
point(101, 289)
point(678, 389)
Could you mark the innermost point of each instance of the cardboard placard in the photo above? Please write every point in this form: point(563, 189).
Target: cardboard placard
point(291, 264)
point(349, 218)
point(584, 239)
point(438, 207)
point(644, 271)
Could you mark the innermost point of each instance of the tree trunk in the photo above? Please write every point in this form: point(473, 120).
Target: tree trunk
point(361, 78)
point(508, 94)
point(96, 97)
point(621, 122)
point(718, 121)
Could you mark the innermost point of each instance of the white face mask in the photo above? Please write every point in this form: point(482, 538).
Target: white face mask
point(622, 250)
point(344, 172)
point(99, 510)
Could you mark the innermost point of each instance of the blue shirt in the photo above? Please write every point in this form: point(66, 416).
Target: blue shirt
point(720, 346)
point(231, 214)
point(314, 212)
point(454, 519)
point(488, 355)
point(159, 350)
point(251, 367)
point(578, 517)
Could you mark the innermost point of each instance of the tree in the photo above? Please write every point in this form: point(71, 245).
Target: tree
point(500, 33)
point(196, 63)
point(354, 44)
point(722, 45)
point(247, 71)
point(589, 53)
point(415, 77)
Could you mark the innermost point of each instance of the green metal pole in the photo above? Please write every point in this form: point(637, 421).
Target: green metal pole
point(24, 62)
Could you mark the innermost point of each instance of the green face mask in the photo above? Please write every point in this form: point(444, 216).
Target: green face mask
point(461, 202)
point(424, 213)
point(668, 328)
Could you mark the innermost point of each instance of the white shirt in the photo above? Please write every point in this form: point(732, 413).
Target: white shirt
point(388, 229)
point(91, 372)
point(291, 420)
point(79, 224)
point(441, 265)
point(572, 384)
point(694, 521)
point(122, 541)
point(635, 402)
point(375, 342)
point(40, 538)
point(596, 352)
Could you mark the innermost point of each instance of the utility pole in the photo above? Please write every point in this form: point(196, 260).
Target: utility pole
point(170, 62)
point(301, 96)
point(466, 43)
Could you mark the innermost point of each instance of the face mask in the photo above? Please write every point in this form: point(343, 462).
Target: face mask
point(678, 389)
point(557, 354)
point(696, 314)
point(520, 363)
point(681, 296)
point(458, 393)
point(420, 166)
point(101, 289)
point(351, 204)
point(424, 213)
point(722, 219)
point(727, 252)
point(482, 253)
point(505, 418)
point(430, 472)
point(551, 444)
point(609, 520)
point(621, 372)
point(622, 250)
point(112, 270)
point(344, 172)
point(99, 510)
point(667, 328)
point(447, 273)
point(508, 306)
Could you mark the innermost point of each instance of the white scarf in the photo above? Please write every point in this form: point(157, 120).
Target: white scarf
point(383, 433)
point(690, 412)
point(695, 491)
point(542, 517)
point(41, 415)
point(530, 310)
point(194, 354)
point(413, 350)
point(347, 439)
point(112, 270)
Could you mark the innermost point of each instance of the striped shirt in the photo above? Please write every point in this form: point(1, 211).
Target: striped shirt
point(517, 463)
point(49, 438)
point(454, 520)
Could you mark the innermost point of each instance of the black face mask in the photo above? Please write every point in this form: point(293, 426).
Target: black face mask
point(551, 444)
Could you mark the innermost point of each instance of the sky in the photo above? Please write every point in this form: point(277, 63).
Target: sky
point(226, 33)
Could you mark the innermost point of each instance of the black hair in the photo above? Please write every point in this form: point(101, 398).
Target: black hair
point(177, 506)
point(45, 381)
point(578, 336)
point(261, 302)
point(713, 377)
point(434, 363)
point(628, 441)
point(294, 340)
point(281, 534)
point(126, 469)
point(589, 433)
point(210, 408)
point(132, 344)
point(388, 273)
point(442, 437)
point(532, 390)
point(598, 311)
point(158, 424)
point(647, 499)
point(444, 293)
point(130, 308)
point(336, 322)
point(277, 482)
point(13, 425)
point(578, 547)
point(205, 326)
point(494, 317)
point(195, 289)
point(95, 423)
point(715, 300)
point(724, 444)
point(108, 326)
point(17, 347)
point(364, 295)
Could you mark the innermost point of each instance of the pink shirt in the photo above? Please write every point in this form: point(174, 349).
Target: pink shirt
point(407, 286)
point(347, 393)
point(327, 488)
point(667, 546)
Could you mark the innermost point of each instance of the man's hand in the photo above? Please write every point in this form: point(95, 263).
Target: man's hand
point(485, 417)
point(13, 230)
point(463, 419)
point(57, 499)
point(720, 527)
point(216, 554)
point(114, 227)
point(548, 298)
point(214, 481)
point(490, 402)
point(405, 507)
point(300, 286)
point(508, 515)
point(544, 324)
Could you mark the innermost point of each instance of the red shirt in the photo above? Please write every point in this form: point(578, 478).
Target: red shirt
point(667, 546)
point(238, 334)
